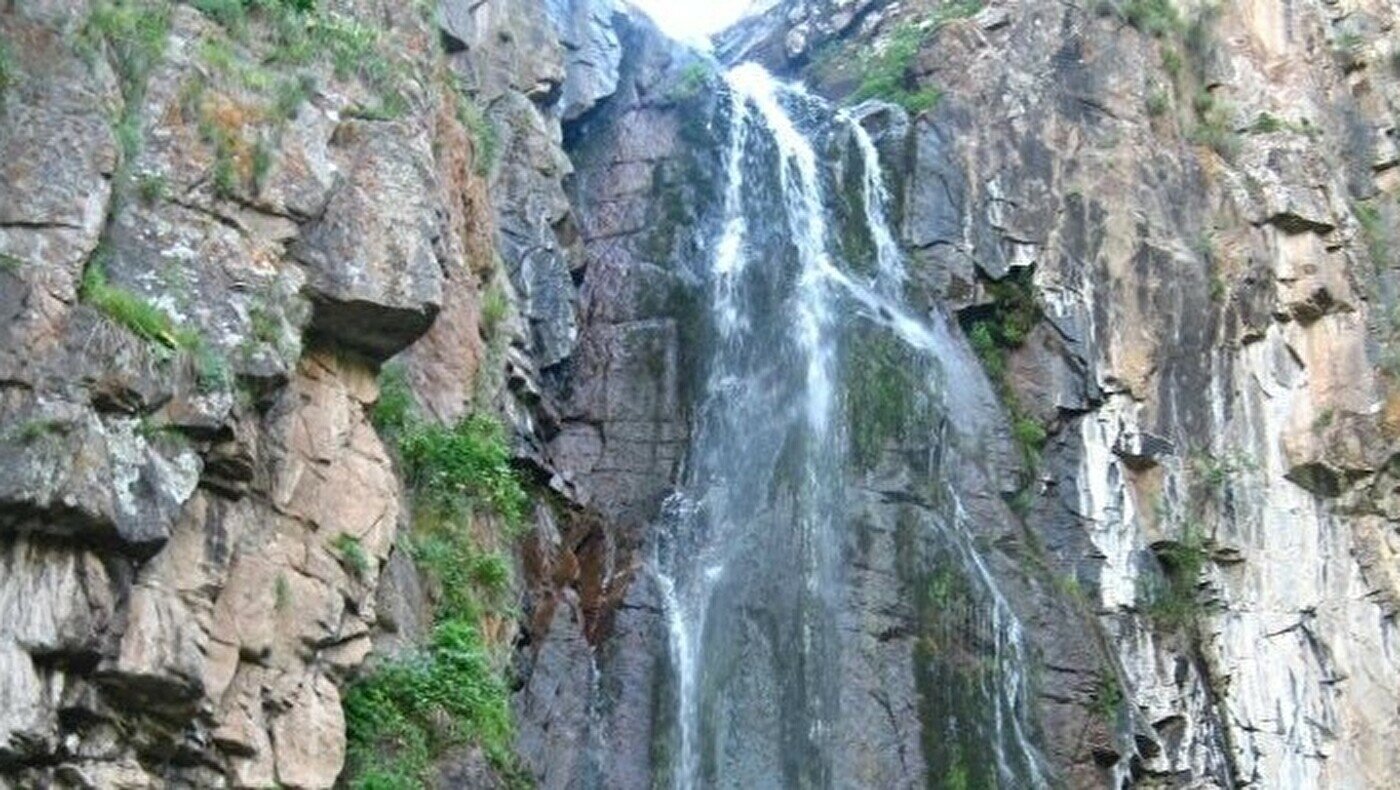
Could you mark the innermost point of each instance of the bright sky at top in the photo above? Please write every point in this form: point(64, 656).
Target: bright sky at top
point(694, 20)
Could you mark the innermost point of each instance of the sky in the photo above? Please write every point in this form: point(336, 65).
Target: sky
point(690, 20)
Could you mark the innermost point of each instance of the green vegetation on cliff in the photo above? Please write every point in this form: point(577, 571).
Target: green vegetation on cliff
point(409, 712)
point(997, 329)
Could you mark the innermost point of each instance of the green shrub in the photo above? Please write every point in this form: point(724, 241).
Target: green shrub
point(394, 409)
point(495, 306)
point(1158, 102)
point(152, 188)
point(1157, 18)
point(407, 712)
point(1108, 697)
point(466, 464)
point(136, 34)
point(885, 75)
point(1029, 433)
point(281, 594)
point(352, 553)
point(1173, 600)
point(693, 79)
point(486, 140)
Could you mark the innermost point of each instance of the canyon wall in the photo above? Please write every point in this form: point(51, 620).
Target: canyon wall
point(1159, 242)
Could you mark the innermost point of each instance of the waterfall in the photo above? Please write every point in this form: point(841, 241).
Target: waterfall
point(749, 549)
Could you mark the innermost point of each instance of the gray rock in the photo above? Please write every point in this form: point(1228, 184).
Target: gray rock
point(374, 273)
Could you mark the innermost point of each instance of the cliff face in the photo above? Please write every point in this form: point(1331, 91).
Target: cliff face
point(1201, 201)
point(1157, 241)
point(214, 227)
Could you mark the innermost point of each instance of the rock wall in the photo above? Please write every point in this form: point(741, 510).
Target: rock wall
point(213, 233)
point(1203, 201)
point(1180, 473)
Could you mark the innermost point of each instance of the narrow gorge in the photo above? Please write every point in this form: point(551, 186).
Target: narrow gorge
point(877, 394)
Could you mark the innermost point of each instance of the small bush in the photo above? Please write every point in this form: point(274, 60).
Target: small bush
point(467, 463)
point(406, 713)
point(1156, 18)
point(351, 553)
point(1173, 601)
point(152, 188)
point(886, 74)
point(281, 594)
point(135, 32)
point(693, 79)
point(1108, 697)
point(495, 306)
point(486, 140)
point(1158, 102)
point(1029, 433)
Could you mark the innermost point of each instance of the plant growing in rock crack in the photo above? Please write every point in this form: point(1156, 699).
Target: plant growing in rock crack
point(1156, 18)
point(406, 712)
point(1107, 700)
point(495, 306)
point(9, 72)
point(486, 139)
point(135, 34)
point(885, 74)
point(352, 553)
point(281, 593)
point(996, 329)
point(129, 310)
point(884, 69)
point(693, 79)
point(1173, 600)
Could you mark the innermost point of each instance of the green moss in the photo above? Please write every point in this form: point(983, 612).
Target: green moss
point(954, 670)
point(885, 400)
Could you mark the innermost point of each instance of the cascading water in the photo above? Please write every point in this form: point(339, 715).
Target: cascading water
point(749, 557)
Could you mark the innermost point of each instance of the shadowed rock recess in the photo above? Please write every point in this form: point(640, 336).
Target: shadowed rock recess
point(496, 394)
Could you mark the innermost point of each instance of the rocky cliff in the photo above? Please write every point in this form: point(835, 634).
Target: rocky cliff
point(1158, 238)
point(1167, 229)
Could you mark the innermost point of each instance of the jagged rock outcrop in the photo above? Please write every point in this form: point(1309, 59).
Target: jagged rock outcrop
point(196, 297)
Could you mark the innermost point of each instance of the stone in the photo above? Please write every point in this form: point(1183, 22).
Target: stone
point(374, 275)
